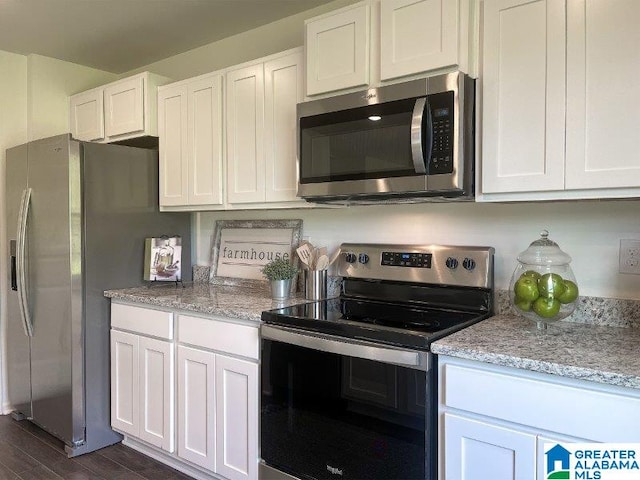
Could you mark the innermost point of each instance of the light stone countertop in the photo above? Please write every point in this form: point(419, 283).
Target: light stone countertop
point(239, 302)
point(603, 354)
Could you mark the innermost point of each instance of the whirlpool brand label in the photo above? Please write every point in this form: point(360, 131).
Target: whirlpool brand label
point(592, 461)
point(334, 470)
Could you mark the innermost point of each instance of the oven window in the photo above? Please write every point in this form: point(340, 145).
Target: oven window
point(327, 416)
point(361, 143)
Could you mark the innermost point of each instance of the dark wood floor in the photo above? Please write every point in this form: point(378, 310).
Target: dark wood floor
point(27, 452)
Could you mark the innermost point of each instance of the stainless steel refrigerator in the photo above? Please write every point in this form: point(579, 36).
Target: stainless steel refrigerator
point(77, 217)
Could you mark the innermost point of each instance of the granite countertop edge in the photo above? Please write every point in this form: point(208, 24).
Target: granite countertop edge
point(600, 354)
point(227, 301)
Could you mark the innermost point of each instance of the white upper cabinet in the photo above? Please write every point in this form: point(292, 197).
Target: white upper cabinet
point(173, 148)
point(87, 117)
point(603, 94)
point(232, 150)
point(523, 95)
point(245, 134)
point(260, 126)
point(559, 100)
point(375, 41)
point(124, 107)
point(417, 36)
point(283, 80)
point(117, 111)
point(338, 50)
point(191, 131)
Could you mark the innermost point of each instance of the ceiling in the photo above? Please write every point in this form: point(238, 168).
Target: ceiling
point(120, 35)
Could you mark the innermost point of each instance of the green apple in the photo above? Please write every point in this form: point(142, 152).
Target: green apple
point(524, 305)
point(570, 293)
point(531, 273)
point(546, 307)
point(526, 288)
point(551, 285)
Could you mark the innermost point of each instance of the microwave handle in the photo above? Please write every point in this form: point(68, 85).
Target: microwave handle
point(421, 144)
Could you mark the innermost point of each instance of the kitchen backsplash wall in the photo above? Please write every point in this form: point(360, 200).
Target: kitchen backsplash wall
point(589, 231)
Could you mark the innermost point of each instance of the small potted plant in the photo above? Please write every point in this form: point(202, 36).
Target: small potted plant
point(280, 273)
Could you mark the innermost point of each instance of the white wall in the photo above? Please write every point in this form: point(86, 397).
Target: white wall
point(50, 82)
point(271, 38)
point(589, 231)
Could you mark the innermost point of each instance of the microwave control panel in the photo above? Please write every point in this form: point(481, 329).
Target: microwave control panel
point(442, 122)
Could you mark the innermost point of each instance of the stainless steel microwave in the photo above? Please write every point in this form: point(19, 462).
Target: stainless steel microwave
point(408, 141)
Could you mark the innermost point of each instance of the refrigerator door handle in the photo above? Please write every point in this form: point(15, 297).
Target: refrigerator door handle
point(23, 299)
point(12, 260)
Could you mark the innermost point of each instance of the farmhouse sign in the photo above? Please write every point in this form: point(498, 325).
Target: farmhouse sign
point(242, 248)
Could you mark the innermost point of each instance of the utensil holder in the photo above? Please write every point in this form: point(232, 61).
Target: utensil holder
point(315, 284)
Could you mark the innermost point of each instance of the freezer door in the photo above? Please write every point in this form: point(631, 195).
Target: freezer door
point(17, 343)
point(55, 288)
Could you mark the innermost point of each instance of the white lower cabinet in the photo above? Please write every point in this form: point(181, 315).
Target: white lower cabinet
point(210, 404)
point(236, 418)
point(494, 421)
point(142, 378)
point(478, 450)
point(196, 402)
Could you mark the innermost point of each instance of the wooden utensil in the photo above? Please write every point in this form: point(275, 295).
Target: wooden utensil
point(322, 263)
point(304, 252)
point(334, 256)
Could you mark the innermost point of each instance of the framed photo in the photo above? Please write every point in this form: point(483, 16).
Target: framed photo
point(162, 259)
point(240, 248)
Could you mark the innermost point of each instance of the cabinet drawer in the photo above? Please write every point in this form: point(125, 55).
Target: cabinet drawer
point(572, 408)
point(219, 335)
point(146, 321)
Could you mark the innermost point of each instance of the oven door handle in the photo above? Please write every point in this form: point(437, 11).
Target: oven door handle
point(348, 347)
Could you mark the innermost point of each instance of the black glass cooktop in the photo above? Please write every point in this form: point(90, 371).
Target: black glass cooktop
point(393, 324)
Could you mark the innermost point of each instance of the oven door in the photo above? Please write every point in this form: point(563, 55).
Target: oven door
point(337, 409)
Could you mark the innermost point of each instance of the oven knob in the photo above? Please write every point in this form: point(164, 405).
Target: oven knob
point(350, 257)
point(363, 258)
point(469, 264)
point(452, 263)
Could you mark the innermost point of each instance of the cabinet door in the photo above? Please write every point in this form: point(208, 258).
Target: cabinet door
point(236, 418)
point(205, 141)
point(124, 108)
point(523, 92)
point(417, 35)
point(245, 135)
point(603, 93)
point(196, 397)
point(476, 450)
point(125, 407)
point(172, 131)
point(87, 116)
point(156, 393)
point(283, 90)
point(337, 49)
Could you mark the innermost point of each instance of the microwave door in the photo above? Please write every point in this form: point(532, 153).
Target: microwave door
point(421, 135)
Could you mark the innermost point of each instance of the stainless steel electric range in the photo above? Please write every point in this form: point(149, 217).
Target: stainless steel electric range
point(349, 385)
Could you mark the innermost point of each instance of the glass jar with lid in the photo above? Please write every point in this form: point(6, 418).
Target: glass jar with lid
point(543, 287)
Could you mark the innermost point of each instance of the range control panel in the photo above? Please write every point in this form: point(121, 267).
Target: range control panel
point(435, 264)
point(406, 259)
